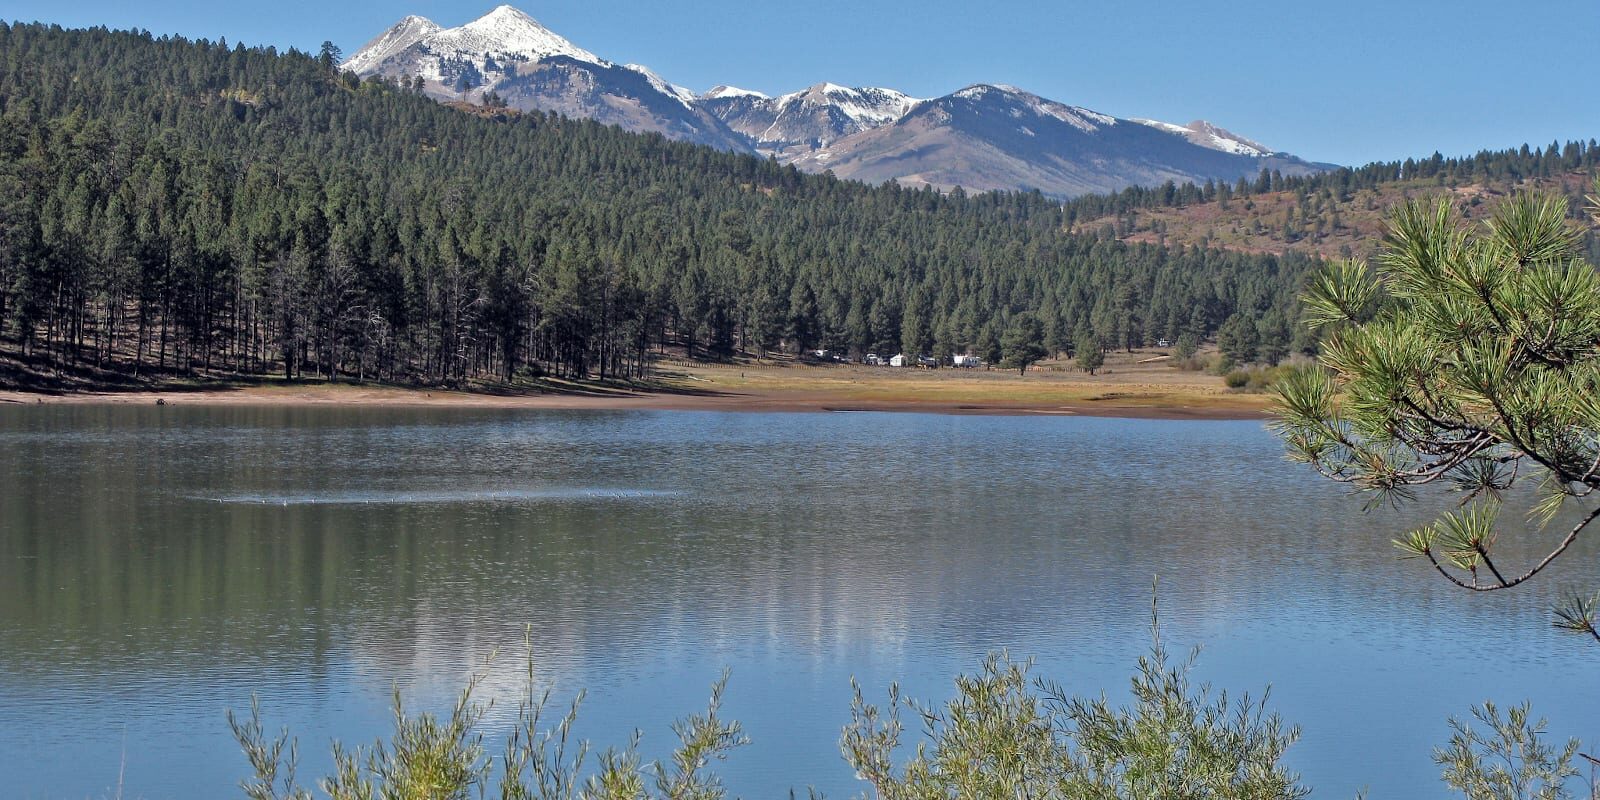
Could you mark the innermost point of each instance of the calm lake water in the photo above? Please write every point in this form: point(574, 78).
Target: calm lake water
point(158, 565)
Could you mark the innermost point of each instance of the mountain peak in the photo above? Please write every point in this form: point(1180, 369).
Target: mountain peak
point(505, 14)
point(398, 37)
point(507, 29)
point(1020, 102)
point(509, 53)
point(722, 91)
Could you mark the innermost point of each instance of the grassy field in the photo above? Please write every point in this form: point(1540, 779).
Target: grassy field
point(1139, 384)
point(1129, 381)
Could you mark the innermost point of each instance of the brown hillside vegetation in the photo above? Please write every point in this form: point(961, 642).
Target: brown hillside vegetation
point(1318, 222)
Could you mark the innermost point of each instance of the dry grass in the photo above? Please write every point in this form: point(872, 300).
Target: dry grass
point(1124, 387)
point(1123, 384)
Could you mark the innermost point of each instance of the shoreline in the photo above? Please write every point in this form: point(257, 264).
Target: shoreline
point(1162, 406)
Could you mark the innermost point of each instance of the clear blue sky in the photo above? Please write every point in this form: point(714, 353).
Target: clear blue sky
point(1348, 81)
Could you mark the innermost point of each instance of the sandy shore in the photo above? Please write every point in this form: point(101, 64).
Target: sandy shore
point(1147, 394)
point(796, 402)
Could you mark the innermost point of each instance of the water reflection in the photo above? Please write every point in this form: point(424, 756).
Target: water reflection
point(159, 565)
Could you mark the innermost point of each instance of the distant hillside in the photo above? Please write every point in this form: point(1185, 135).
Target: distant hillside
point(1339, 213)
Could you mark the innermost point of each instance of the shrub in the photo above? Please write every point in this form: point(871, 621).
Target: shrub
point(1005, 735)
point(1511, 762)
point(1237, 379)
point(1264, 379)
point(432, 759)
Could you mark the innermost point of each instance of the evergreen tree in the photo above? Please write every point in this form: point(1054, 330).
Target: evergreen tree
point(1468, 359)
point(1237, 339)
point(1091, 353)
point(1023, 343)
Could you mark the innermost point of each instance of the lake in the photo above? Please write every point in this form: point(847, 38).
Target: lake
point(158, 565)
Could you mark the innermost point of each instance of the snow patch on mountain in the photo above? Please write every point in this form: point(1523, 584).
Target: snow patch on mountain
point(868, 106)
point(682, 95)
point(1205, 134)
point(1081, 118)
point(719, 92)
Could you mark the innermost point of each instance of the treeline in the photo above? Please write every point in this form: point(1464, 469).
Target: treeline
point(1487, 167)
point(168, 204)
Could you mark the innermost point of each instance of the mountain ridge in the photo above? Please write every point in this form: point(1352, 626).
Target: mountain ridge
point(1014, 140)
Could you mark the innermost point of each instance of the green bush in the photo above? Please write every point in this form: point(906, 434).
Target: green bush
point(1006, 736)
point(432, 759)
point(1237, 379)
point(1510, 762)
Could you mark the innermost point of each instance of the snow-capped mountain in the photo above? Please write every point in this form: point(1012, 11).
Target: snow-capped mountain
point(510, 54)
point(391, 43)
point(987, 137)
point(792, 125)
point(983, 137)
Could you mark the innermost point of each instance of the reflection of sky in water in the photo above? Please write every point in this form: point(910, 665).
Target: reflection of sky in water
point(159, 565)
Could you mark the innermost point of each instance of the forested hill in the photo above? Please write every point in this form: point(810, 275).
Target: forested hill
point(1342, 212)
point(168, 204)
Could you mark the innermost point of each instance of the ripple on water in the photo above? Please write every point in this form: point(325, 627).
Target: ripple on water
point(582, 494)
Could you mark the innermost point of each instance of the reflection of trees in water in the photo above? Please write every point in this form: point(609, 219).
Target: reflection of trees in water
point(816, 540)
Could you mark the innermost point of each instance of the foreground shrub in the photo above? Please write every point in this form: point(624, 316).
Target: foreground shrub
point(429, 758)
point(1007, 736)
point(1508, 761)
